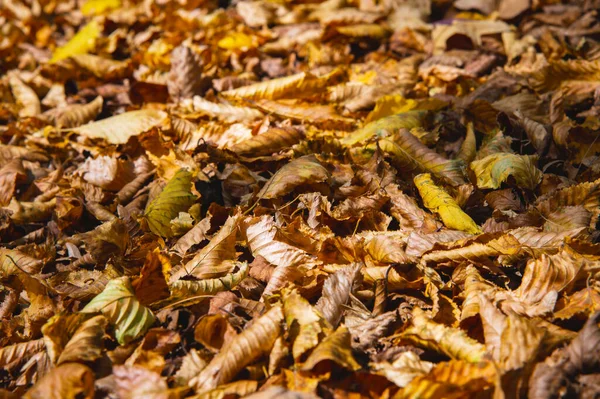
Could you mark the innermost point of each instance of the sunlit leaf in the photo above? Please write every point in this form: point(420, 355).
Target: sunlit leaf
point(410, 155)
point(83, 42)
point(495, 169)
point(67, 381)
point(120, 306)
point(118, 129)
point(174, 198)
point(452, 342)
point(438, 200)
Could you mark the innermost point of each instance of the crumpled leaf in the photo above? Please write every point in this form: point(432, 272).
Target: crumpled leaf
point(438, 200)
point(76, 114)
point(185, 76)
point(404, 369)
point(26, 97)
point(134, 382)
point(495, 169)
point(174, 198)
point(122, 309)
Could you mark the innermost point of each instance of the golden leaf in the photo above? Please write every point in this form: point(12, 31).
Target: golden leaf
point(306, 326)
point(410, 155)
point(83, 42)
point(237, 41)
point(26, 97)
point(324, 116)
point(95, 7)
point(118, 129)
point(387, 125)
point(586, 301)
point(438, 200)
point(225, 112)
point(103, 68)
point(297, 85)
point(447, 340)
point(214, 260)
point(74, 338)
point(453, 379)
point(404, 369)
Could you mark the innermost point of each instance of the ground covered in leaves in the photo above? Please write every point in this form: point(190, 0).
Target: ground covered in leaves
point(299, 199)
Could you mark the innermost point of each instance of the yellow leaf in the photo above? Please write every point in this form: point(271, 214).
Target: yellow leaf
point(293, 86)
point(439, 201)
point(495, 169)
point(237, 41)
point(119, 128)
point(176, 197)
point(83, 42)
point(94, 7)
point(195, 291)
point(396, 104)
point(119, 305)
point(387, 125)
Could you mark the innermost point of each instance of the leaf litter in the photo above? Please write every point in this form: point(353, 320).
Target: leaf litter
point(299, 199)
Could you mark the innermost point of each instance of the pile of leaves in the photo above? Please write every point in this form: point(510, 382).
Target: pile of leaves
point(299, 199)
